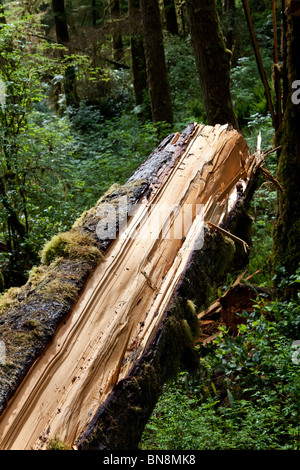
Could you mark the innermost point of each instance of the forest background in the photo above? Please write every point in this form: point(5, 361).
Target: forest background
point(74, 122)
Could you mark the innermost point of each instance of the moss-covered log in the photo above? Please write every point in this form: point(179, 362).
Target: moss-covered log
point(110, 341)
point(68, 260)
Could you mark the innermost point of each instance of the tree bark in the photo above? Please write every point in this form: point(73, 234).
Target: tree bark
point(60, 20)
point(62, 36)
point(171, 17)
point(137, 52)
point(229, 8)
point(116, 36)
point(94, 14)
point(212, 60)
point(286, 236)
point(285, 85)
point(157, 73)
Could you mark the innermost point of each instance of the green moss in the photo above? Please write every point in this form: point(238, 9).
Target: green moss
point(9, 298)
point(2, 283)
point(191, 305)
point(113, 196)
point(31, 324)
point(225, 255)
point(57, 444)
point(72, 245)
point(53, 283)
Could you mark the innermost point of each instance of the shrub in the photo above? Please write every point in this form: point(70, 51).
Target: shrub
point(246, 395)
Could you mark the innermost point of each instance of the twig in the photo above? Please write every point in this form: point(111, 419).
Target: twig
point(228, 234)
point(270, 177)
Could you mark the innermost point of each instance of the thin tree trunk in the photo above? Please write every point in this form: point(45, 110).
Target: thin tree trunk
point(94, 14)
point(285, 86)
point(60, 20)
point(229, 7)
point(157, 74)
point(286, 235)
point(182, 15)
point(137, 52)
point(62, 36)
point(276, 72)
point(170, 15)
point(212, 60)
point(116, 36)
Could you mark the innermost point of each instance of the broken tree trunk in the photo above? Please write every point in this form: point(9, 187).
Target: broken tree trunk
point(89, 368)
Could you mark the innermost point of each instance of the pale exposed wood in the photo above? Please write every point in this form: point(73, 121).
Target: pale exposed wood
point(125, 299)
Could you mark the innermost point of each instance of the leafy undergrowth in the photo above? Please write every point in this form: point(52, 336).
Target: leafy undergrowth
point(247, 393)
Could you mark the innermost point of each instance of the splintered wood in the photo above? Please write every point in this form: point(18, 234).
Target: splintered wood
point(125, 299)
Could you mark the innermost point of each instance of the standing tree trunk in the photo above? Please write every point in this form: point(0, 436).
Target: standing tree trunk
point(212, 60)
point(286, 235)
point(182, 16)
point(116, 36)
point(137, 52)
point(170, 15)
point(62, 36)
point(157, 74)
point(229, 8)
point(94, 14)
point(285, 85)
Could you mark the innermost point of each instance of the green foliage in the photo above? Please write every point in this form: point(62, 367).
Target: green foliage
point(263, 210)
point(73, 245)
point(57, 444)
point(248, 95)
point(23, 65)
point(184, 82)
point(245, 396)
point(107, 152)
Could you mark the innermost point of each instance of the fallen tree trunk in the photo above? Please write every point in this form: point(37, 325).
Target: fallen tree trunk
point(109, 316)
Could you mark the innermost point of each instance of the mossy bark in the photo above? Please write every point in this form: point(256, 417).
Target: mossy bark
point(286, 234)
point(30, 315)
point(213, 61)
